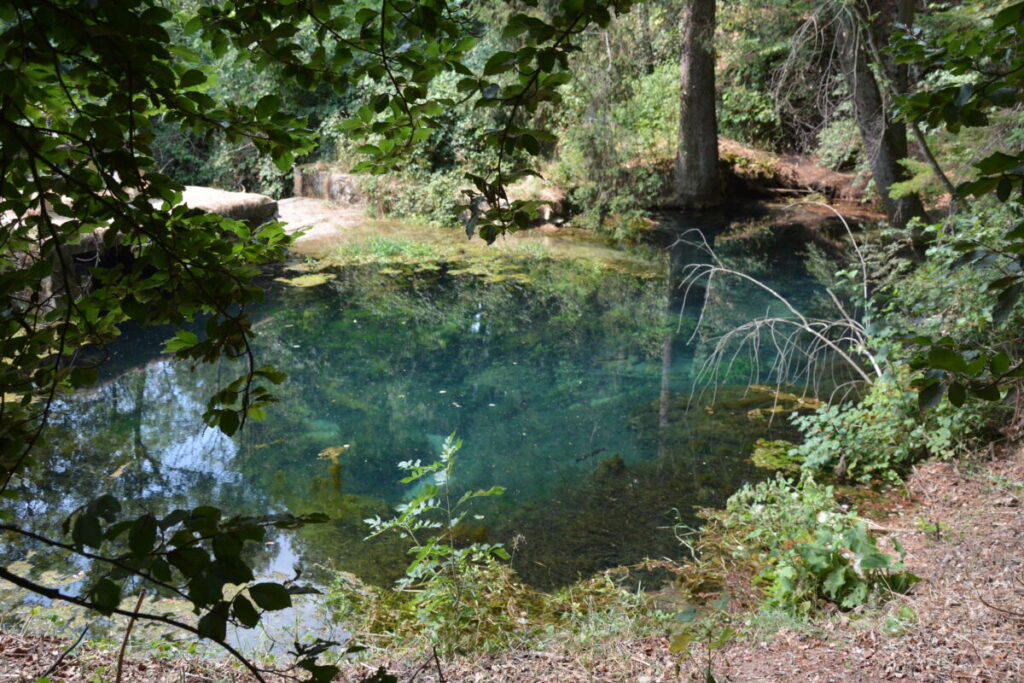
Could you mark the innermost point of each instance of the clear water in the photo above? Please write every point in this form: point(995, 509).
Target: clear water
point(569, 383)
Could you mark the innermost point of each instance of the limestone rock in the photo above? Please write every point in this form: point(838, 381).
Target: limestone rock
point(254, 209)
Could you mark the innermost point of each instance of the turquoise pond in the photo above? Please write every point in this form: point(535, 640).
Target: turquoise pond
point(571, 384)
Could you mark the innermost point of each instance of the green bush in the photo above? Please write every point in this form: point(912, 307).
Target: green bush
point(809, 548)
point(883, 434)
point(748, 114)
point(615, 161)
point(839, 143)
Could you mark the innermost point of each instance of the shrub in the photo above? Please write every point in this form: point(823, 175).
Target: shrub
point(462, 596)
point(810, 550)
point(883, 434)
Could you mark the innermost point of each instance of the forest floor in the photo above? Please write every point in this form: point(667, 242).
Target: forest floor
point(960, 524)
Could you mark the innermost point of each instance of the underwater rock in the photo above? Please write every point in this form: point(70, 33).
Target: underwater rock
point(612, 465)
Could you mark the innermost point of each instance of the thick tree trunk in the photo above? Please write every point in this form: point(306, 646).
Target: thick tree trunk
point(885, 141)
point(697, 185)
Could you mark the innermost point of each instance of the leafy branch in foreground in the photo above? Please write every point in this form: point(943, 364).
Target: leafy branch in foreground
point(986, 61)
point(192, 555)
point(94, 236)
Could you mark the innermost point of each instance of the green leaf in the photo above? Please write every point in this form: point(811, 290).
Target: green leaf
point(183, 339)
point(84, 376)
point(143, 534)
point(244, 612)
point(834, 581)
point(1004, 188)
point(929, 396)
point(987, 392)
point(957, 394)
point(725, 636)
point(268, 105)
point(529, 143)
point(193, 25)
point(499, 62)
point(272, 374)
point(687, 615)
point(106, 595)
point(189, 561)
point(875, 560)
point(1000, 363)
point(942, 358)
point(228, 421)
point(901, 582)
point(192, 78)
point(681, 642)
point(214, 623)
point(270, 596)
point(1005, 302)
point(997, 163)
point(87, 530)
point(161, 571)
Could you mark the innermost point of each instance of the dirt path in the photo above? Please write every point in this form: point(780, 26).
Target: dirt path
point(325, 224)
point(964, 535)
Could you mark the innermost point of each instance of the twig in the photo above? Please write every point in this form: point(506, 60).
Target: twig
point(437, 662)
point(419, 670)
point(127, 635)
point(65, 653)
point(1019, 615)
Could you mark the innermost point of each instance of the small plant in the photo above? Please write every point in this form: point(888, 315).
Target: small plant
point(450, 586)
point(711, 628)
point(880, 437)
point(934, 528)
point(809, 549)
point(900, 621)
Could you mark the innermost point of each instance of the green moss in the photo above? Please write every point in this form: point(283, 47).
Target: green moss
point(311, 280)
point(775, 455)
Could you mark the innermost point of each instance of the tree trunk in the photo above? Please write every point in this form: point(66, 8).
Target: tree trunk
point(697, 185)
point(885, 141)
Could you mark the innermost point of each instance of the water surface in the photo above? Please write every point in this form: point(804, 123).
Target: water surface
point(570, 383)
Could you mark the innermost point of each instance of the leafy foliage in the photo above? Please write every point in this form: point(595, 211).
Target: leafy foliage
point(882, 435)
point(810, 549)
point(713, 628)
point(986, 62)
point(95, 234)
point(194, 555)
point(449, 584)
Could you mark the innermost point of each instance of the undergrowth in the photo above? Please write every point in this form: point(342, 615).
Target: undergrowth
point(462, 597)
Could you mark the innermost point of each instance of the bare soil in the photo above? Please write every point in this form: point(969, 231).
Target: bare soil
point(756, 171)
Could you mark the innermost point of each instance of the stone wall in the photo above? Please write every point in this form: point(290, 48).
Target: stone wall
point(323, 182)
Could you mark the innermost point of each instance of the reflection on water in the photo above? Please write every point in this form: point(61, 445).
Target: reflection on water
point(568, 382)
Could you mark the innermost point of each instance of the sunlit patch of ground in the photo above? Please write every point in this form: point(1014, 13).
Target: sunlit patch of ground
point(335, 235)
